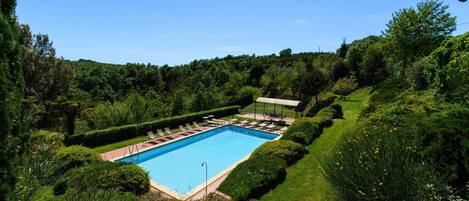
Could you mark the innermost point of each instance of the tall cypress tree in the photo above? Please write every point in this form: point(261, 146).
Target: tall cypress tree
point(11, 90)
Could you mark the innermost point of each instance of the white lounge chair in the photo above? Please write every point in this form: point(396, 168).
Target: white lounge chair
point(184, 131)
point(271, 126)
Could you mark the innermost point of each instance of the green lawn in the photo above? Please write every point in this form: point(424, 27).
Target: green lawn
point(304, 181)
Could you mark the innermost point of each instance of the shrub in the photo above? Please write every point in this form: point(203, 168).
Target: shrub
point(345, 86)
point(305, 126)
point(73, 157)
point(116, 134)
point(104, 175)
point(95, 194)
point(322, 103)
point(298, 137)
point(287, 150)
point(378, 161)
point(448, 73)
point(337, 110)
point(254, 177)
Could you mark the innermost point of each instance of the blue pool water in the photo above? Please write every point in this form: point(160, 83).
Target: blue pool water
point(178, 165)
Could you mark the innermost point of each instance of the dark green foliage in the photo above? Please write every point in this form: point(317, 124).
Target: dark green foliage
point(73, 157)
point(95, 194)
point(115, 134)
point(322, 103)
point(356, 51)
point(254, 177)
point(446, 69)
point(373, 66)
point(298, 137)
point(312, 82)
point(11, 89)
point(337, 111)
point(310, 130)
point(287, 150)
point(106, 176)
point(338, 70)
point(444, 143)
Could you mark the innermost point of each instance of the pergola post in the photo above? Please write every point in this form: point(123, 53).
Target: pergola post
point(255, 108)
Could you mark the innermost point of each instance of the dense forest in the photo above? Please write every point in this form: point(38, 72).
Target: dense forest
point(417, 70)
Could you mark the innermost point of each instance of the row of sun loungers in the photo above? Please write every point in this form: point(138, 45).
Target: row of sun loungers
point(168, 135)
point(188, 129)
point(255, 124)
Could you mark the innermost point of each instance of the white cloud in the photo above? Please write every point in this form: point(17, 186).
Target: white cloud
point(301, 21)
point(230, 48)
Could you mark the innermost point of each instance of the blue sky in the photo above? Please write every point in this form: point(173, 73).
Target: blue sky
point(179, 31)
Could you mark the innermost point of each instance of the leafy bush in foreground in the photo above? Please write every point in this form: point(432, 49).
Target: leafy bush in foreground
point(106, 176)
point(378, 161)
point(73, 157)
point(287, 150)
point(254, 177)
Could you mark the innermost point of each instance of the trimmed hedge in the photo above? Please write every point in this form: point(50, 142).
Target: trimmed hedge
point(74, 157)
point(285, 149)
point(321, 104)
point(120, 133)
point(104, 175)
point(298, 137)
point(254, 177)
point(337, 111)
point(305, 126)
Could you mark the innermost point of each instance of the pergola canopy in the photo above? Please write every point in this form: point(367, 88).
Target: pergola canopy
point(277, 101)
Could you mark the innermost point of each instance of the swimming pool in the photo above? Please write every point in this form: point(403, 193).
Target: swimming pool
point(178, 165)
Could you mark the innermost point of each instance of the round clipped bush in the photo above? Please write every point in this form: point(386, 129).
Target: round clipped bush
point(298, 137)
point(306, 127)
point(104, 175)
point(73, 157)
point(129, 178)
point(287, 150)
point(337, 111)
point(254, 177)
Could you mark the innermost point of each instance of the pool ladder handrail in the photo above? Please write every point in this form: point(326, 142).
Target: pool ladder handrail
point(131, 150)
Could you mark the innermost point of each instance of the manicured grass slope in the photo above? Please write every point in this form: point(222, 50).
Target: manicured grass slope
point(304, 181)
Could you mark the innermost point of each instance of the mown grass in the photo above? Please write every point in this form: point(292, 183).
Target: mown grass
point(304, 179)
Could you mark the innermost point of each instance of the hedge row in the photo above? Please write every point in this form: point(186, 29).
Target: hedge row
point(254, 177)
point(325, 116)
point(322, 103)
point(120, 133)
point(306, 130)
point(302, 131)
point(285, 149)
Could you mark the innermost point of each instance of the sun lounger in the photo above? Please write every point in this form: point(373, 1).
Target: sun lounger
point(162, 135)
point(262, 125)
point(271, 126)
point(184, 130)
point(168, 131)
point(189, 127)
point(254, 123)
point(283, 129)
point(196, 125)
point(244, 122)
